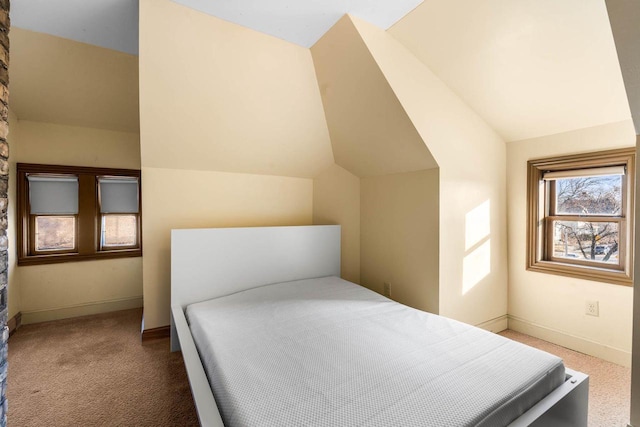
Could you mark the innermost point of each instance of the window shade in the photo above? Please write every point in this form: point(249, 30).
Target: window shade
point(583, 173)
point(118, 195)
point(53, 195)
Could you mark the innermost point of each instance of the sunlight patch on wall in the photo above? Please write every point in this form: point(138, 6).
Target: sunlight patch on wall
point(477, 224)
point(476, 266)
point(477, 261)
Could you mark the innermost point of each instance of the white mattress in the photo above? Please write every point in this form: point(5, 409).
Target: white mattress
point(327, 352)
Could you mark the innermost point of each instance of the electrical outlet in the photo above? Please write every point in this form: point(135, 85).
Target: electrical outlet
point(591, 308)
point(387, 289)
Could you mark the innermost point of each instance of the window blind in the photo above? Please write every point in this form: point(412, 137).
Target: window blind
point(118, 195)
point(53, 195)
point(583, 173)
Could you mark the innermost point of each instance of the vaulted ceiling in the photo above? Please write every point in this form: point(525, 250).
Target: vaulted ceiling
point(528, 67)
point(371, 133)
point(106, 23)
point(302, 22)
point(57, 80)
point(114, 23)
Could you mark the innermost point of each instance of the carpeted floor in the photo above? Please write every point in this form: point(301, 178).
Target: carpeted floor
point(93, 371)
point(609, 384)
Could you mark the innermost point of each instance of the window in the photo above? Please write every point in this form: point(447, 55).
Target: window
point(580, 220)
point(70, 213)
point(118, 199)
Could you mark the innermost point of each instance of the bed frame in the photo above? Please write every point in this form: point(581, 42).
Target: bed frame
point(210, 263)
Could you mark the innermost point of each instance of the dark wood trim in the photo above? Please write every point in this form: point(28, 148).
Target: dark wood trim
point(156, 333)
point(63, 257)
point(87, 221)
point(78, 170)
point(87, 203)
point(539, 257)
point(14, 323)
point(22, 217)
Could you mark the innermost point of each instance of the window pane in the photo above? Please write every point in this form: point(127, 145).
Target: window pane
point(119, 230)
point(597, 195)
point(590, 241)
point(55, 233)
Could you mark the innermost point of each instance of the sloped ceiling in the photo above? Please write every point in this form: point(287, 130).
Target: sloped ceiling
point(302, 22)
point(57, 80)
point(625, 16)
point(228, 99)
point(371, 133)
point(106, 23)
point(114, 23)
point(529, 67)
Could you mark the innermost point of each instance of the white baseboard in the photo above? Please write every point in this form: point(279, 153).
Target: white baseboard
point(37, 316)
point(582, 345)
point(496, 325)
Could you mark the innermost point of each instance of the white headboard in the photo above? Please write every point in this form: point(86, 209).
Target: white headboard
point(209, 263)
point(213, 262)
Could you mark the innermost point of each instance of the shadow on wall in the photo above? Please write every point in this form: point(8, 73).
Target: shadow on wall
point(477, 257)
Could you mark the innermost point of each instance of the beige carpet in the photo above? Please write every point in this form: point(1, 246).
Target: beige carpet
point(609, 384)
point(93, 371)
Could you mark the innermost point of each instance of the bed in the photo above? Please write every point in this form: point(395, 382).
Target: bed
point(271, 335)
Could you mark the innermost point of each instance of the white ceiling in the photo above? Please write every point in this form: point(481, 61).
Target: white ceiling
point(107, 23)
point(302, 22)
point(114, 23)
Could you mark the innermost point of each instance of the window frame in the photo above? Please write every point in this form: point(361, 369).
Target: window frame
point(101, 216)
point(88, 220)
point(540, 217)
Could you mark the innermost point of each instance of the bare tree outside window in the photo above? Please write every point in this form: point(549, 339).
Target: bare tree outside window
point(587, 197)
point(580, 217)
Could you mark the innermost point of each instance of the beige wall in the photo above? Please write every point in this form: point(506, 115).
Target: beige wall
point(174, 198)
point(623, 16)
point(57, 80)
point(389, 230)
point(552, 307)
point(472, 162)
point(374, 139)
point(635, 347)
point(370, 132)
point(218, 96)
point(336, 200)
point(232, 130)
point(399, 237)
point(54, 291)
point(13, 290)
point(76, 146)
